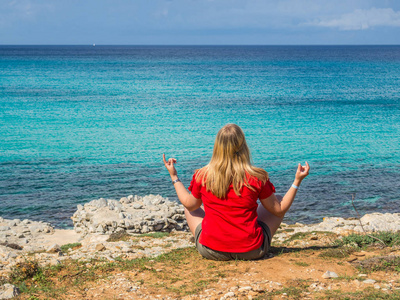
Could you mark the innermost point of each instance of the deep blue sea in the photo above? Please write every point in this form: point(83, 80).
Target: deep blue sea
point(80, 122)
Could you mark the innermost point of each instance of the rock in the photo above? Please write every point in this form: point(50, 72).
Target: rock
point(8, 291)
point(100, 247)
point(351, 259)
point(329, 274)
point(245, 289)
point(369, 281)
point(229, 295)
point(124, 200)
point(53, 249)
point(4, 228)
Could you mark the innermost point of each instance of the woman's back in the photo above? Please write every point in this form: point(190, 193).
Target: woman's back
point(230, 224)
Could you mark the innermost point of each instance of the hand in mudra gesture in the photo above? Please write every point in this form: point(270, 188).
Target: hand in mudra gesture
point(169, 164)
point(302, 171)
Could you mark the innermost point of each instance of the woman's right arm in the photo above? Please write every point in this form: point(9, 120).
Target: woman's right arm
point(277, 205)
point(188, 200)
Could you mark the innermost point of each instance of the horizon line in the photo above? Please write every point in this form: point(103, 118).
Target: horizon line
point(192, 45)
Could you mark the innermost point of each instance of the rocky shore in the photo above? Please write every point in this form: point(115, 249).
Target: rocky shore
point(97, 222)
point(132, 214)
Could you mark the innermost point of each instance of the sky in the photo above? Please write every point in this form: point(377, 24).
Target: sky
point(199, 22)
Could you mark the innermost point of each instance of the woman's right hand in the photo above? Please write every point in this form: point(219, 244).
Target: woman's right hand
point(302, 171)
point(169, 164)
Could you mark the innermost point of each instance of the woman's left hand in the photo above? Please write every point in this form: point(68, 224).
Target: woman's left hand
point(170, 165)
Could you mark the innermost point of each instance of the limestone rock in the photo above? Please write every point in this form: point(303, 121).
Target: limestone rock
point(100, 247)
point(329, 274)
point(369, 281)
point(53, 249)
point(8, 291)
point(145, 214)
point(229, 295)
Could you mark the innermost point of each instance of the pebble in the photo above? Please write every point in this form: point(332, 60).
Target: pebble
point(329, 274)
point(369, 281)
point(229, 295)
point(100, 247)
point(245, 289)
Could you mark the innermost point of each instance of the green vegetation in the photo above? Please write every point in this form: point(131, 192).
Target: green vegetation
point(390, 239)
point(156, 235)
point(303, 235)
point(380, 263)
point(119, 236)
point(301, 264)
point(291, 292)
point(341, 252)
point(24, 270)
point(367, 294)
point(66, 247)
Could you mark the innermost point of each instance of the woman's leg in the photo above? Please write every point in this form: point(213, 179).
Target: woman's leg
point(194, 218)
point(271, 220)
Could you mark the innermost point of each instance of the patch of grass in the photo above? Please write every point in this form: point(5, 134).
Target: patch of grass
point(220, 274)
point(346, 277)
point(381, 263)
point(303, 235)
point(276, 251)
point(24, 270)
point(119, 236)
point(291, 292)
point(157, 234)
point(66, 247)
point(366, 294)
point(297, 236)
point(211, 266)
point(340, 252)
point(301, 264)
point(177, 256)
point(55, 282)
point(31, 279)
point(361, 240)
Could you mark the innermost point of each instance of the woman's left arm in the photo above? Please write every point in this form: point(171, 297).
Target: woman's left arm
point(188, 200)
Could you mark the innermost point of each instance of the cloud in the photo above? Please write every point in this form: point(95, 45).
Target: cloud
point(362, 19)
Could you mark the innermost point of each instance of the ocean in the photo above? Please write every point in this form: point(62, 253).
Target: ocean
point(79, 123)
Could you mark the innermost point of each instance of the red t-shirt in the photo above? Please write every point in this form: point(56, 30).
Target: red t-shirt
point(230, 225)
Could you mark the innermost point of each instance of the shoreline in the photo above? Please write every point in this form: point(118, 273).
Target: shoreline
point(135, 215)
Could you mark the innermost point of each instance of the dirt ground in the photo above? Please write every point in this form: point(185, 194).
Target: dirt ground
point(293, 270)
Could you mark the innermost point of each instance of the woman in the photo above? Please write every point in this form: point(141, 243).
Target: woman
point(232, 224)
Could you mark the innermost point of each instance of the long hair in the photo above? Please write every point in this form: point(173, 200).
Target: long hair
point(229, 164)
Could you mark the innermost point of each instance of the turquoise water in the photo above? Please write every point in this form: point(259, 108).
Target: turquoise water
point(79, 123)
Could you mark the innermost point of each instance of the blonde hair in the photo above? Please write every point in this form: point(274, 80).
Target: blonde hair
point(229, 164)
